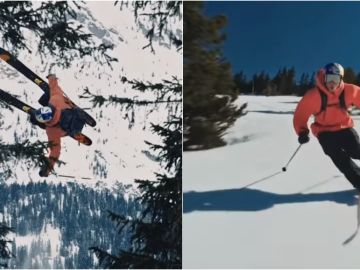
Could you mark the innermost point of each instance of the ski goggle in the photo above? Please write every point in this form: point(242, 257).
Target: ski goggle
point(333, 78)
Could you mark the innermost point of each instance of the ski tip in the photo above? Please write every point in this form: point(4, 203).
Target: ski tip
point(81, 138)
point(347, 241)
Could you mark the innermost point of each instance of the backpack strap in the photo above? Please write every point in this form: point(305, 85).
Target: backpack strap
point(323, 98)
point(342, 100)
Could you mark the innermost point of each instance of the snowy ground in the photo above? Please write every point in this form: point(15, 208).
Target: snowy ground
point(294, 219)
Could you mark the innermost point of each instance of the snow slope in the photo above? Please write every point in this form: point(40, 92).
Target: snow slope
point(294, 219)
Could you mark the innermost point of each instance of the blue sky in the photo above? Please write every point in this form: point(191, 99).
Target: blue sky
point(305, 35)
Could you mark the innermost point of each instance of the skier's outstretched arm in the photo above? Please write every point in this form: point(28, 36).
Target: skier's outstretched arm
point(55, 149)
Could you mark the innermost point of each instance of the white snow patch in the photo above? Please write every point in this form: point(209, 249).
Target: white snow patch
point(297, 219)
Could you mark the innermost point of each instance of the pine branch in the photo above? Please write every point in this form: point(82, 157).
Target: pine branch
point(31, 153)
point(106, 260)
point(172, 142)
point(168, 93)
point(120, 220)
point(52, 24)
point(167, 87)
point(159, 15)
point(5, 105)
point(126, 260)
point(99, 100)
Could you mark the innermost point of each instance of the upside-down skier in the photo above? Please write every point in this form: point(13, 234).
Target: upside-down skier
point(59, 119)
point(328, 102)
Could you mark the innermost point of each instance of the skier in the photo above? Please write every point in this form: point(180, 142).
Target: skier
point(328, 102)
point(59, 119)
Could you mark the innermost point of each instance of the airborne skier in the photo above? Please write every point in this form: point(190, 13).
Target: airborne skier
point(60, 119)
point(333, 125)
point(59, 115)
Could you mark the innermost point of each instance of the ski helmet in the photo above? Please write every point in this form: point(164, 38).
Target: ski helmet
point(335, 69)
point(44, 114)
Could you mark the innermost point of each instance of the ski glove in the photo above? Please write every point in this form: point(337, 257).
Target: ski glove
point(303, 137)
point(44, 172)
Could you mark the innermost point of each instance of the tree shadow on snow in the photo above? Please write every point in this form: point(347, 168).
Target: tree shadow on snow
point(243, 139)
point(246, 199)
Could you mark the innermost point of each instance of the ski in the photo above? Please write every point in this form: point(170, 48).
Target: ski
point(13, 101)
point(20, 67)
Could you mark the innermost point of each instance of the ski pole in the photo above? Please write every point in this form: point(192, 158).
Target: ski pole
point(287, 164)
point(260, 180)
point(70, 176)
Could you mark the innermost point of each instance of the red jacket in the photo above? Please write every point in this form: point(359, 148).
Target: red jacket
point(53, 131)
point(334, 117)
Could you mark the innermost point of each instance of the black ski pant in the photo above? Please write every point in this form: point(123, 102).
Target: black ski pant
point(343, 146)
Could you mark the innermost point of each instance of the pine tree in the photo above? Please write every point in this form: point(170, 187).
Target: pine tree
point(241, 83)
point(261, 83)
point(156, 240)
point(306, 82)
point(5, 253)
point(349, 75)
point(285, 81)
point(357, 81)
point(155, 235)
point(208, 84)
